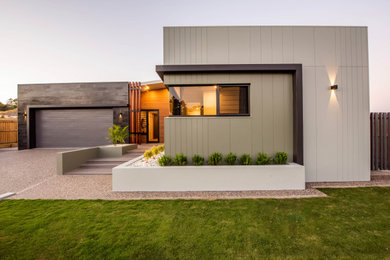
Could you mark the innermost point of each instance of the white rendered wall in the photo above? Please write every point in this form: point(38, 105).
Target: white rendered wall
point(336, 126)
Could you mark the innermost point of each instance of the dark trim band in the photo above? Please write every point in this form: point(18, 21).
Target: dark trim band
point(294, 69)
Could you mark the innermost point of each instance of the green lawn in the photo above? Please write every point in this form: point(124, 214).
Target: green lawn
point(349, 223)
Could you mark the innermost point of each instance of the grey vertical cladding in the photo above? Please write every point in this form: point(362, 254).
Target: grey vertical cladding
point(244, 134)
point(336, 127)
point(96, 94)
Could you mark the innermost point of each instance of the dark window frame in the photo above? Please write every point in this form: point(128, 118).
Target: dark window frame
point(218, 114)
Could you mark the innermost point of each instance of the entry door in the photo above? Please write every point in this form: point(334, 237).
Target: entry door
point(150, 125)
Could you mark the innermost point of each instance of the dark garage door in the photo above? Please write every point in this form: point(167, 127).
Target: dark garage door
point(72, 127)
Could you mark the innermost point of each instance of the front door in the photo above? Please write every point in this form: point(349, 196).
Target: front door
point(150, 125)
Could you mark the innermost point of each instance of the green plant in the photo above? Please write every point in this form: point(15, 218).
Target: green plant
point(117, 134)
point(215, 159)
point(281, 158)
point(164, 160)
point(263, 159)
point(231, 158)
point(197, 160)
point(161, 148)
point(180, 159)
point(148, 154)
point(155, 150)
point(2, 116)
point(245, 159)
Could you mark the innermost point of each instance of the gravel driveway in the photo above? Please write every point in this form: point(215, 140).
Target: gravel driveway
point(20, 170)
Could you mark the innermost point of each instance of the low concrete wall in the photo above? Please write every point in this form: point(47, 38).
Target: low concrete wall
point(208, 178)
point(115, 150)
point(70, 160)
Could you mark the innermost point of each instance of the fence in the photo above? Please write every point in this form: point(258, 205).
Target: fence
point(8, 131)
point(380, 141)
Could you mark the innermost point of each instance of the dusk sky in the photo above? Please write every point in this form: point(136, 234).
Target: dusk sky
point(81, 41)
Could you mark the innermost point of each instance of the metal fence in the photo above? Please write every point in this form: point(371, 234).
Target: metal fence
point(8, 131)
point(380, 142)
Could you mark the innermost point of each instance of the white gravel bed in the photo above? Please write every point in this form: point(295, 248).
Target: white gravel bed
point(151, 162)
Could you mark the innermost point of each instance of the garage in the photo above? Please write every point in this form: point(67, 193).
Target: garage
point(72, 127)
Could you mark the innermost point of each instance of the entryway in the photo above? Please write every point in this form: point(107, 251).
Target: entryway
point(150, 125)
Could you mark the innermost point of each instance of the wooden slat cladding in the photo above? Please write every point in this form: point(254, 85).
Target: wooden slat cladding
point(8, 131)
point(135, 112)
point(157, 99)
point(380, 141)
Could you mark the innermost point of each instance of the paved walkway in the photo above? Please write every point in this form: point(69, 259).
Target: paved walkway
point(32, 175)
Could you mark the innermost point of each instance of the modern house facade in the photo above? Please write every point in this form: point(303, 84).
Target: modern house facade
point(79, 114)
point(280, 78)
point(240, 89)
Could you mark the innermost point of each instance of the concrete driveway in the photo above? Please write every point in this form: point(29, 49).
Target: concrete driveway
point(20, 170)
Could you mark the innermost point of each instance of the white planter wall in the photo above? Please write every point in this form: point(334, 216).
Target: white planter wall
point(209, 178)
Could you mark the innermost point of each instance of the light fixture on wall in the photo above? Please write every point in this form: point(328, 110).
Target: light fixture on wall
point(120, 117)
point(147, 87)
point(334, 87)
point(25, 115)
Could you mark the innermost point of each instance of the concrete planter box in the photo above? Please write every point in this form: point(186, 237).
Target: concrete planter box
point(70, 160)
point(115, 150)
point(208, 178)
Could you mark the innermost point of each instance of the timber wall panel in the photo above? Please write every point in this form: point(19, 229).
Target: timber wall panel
point(157, 99)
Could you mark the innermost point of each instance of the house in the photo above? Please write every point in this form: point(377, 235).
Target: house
point(79, 114)
point(245, 89)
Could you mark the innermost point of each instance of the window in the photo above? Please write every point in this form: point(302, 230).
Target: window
point(209, 100)
point(233, 100)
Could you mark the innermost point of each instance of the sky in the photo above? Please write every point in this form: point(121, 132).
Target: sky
point(45, 41)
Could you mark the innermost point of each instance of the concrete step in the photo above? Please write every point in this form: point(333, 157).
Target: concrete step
point(104, 162)
point(380, 176)
point(90, 171)
point(99, 165)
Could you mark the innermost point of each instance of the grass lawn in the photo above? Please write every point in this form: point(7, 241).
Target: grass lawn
point(351, 223)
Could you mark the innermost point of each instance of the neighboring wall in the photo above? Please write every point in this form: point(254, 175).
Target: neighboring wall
point(157, 99)
point(269, 128)
point(102, 94)
point(336, 126)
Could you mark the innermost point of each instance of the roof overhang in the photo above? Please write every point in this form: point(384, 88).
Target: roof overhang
point(209, 68)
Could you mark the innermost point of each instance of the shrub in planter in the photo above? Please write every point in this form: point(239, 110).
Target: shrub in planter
point(281, 158)
point(155, 150)
point(117, 134)
point(215, 159)
point(197, 160)
point(180, 159)
point(161, 148)
point(245, 159)
point(231, 158)
point(164, 160)
point(148, 154)
point(263, 159)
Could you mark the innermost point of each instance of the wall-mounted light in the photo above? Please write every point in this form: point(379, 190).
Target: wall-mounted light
point(334, 87)
point(120, 117)
point(25, 115)
point(147, 87)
